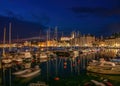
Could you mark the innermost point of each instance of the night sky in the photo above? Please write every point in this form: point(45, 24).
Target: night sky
point(97, 17)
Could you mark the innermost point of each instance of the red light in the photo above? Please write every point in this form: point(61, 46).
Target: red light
point(57, 78)
point(73, 65)
point(78, 61)
point(108, 84)
point(33, 61)
point(65, 67)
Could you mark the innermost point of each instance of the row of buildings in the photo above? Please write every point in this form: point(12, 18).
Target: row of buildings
point(73, 40)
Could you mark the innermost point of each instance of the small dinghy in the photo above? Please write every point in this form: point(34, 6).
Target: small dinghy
point(31, 72)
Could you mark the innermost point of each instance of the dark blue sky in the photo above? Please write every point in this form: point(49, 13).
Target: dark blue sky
point(88, 16)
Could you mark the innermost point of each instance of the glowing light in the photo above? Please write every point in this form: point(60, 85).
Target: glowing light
point(56, 78)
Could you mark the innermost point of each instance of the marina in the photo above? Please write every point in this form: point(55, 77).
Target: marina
point(59, 42)
point(60, 70)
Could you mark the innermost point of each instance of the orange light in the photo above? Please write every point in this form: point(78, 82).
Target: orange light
point(65, 63)
point(56, 78)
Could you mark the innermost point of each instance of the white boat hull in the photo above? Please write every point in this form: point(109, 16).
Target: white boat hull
point(6, 61)
point(33, 73)
point(20, 72)
point(104, 70)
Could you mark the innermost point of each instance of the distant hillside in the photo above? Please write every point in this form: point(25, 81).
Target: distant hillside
point(21, 29)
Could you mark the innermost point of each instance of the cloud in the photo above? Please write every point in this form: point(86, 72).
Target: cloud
point(110, 28)
point(22, 28)
point(41, 19)
point(114, 27)
point(13, 15)
point(100, 11)
point(44, 19)
point(9, 13)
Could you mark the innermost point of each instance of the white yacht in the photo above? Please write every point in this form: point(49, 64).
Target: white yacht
point(103, 67)
point(43, 55)
point(32, 72)
point(17, 59)
point(26, 56)
point(20, 72)
point(6, 60)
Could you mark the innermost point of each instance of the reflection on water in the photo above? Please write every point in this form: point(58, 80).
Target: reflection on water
point(108, 53)
point(115, 79)
point(64, 68)
point(0, 77)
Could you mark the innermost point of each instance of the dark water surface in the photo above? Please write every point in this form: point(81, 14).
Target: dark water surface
point(70, 72)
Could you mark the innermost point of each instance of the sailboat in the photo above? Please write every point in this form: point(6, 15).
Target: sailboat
point(44, 54)
point(5, 59)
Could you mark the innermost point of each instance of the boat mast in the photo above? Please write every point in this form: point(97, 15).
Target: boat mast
point(4, 38)
point(56, 33)
point(49, 34)
point(56, 36)
point(47, 40)
point(10, 36)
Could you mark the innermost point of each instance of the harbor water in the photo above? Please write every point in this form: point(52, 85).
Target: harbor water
point(62, 71)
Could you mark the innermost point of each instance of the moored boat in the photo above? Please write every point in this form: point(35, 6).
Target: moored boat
point(20, 72)
point(43, 55)
point(18, 60)
point(31, 72)
point(104, 67)
point(6, 60)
